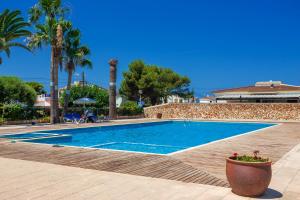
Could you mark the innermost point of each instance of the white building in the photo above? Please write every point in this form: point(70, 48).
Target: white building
point(210, 99)
point(207, 99)
point(42, 101)
point(178, 99)
point(261, 92)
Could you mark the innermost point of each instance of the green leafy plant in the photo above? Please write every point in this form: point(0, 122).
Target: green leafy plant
point(38, 87)
point(19, 111)
point(247, 158)
point(130, 108)
point(91, 91)
point(1, 121)
point(155, 83)
point(45, 119)
point(13, 111)
point(13, 89)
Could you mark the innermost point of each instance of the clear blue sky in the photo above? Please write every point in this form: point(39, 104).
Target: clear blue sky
point(218, 44)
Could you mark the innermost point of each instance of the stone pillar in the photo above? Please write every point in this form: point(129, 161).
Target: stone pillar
point(112, 88)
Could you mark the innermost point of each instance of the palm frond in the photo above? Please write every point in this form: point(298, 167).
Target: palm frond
point(66, 25)
point(18, 34)
point(85, 50)
point(7, 51)
point(74, 52)
point(56, 4)
point(34, 14)
point(46, 6)
point(17, 44)
point(11, 15)
point(86, 63)
point(17, 25)
point(12, 26)
point(38, 39)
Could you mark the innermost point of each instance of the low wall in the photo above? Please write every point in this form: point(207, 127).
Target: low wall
point(238, 111)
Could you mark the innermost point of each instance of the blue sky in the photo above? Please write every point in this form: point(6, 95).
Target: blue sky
point(217, 43)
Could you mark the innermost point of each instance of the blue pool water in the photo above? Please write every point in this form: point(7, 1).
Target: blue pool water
point(156, 137)
point(26, 135)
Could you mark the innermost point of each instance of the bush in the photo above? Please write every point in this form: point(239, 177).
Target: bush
point(97, 93)
point(44, 120)
point(38, 87)
point(130, 108)
point(1, 121)
point(13, 89)
point(13, 112)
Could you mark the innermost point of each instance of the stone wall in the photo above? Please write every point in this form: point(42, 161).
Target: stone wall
point(236, 111)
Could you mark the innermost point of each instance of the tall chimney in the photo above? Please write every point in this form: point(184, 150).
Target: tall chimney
point(112, 88)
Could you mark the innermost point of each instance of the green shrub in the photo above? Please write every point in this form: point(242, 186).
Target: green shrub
point(44, 119)
point(13, 112)
point(130, 108)
point(1, 121)
point(97, 93)
point(13, 89)
point(16, 111)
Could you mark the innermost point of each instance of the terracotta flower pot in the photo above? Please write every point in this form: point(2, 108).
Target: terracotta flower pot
point(248, 178)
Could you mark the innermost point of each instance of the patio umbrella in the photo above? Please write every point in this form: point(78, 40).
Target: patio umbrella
point(84, 101)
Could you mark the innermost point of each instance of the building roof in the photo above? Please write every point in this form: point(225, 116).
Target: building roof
point(208, 98)
point(262, 87)
point(265, 96)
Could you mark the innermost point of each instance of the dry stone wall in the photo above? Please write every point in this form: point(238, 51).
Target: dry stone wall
point(237, 111)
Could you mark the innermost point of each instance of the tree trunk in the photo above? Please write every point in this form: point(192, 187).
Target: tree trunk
point(52, 91)
point(67, 97)
point(112, 89)
point(56, 86)
point(54, 116)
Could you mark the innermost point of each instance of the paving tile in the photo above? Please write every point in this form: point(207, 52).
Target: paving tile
point(291, 196)
point(294, 185)
point(232, 196)
point(215, 194)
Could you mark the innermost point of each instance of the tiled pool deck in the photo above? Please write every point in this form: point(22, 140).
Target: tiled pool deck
point(159, 177)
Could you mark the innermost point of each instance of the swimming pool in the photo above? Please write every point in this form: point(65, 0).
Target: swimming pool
point(27, 135)
point(155, 137)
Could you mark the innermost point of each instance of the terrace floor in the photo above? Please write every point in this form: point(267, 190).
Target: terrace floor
point(272, 142)
point(186, 175)
point(27, 180)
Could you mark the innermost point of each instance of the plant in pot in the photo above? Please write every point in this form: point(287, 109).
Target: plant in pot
point(248, 175)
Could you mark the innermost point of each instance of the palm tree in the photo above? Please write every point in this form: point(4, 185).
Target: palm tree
point(12, 27)
point(49, 31)
point(75, 55)
point(112, 88)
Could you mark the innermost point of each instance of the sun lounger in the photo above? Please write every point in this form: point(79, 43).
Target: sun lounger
point(73, 117)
